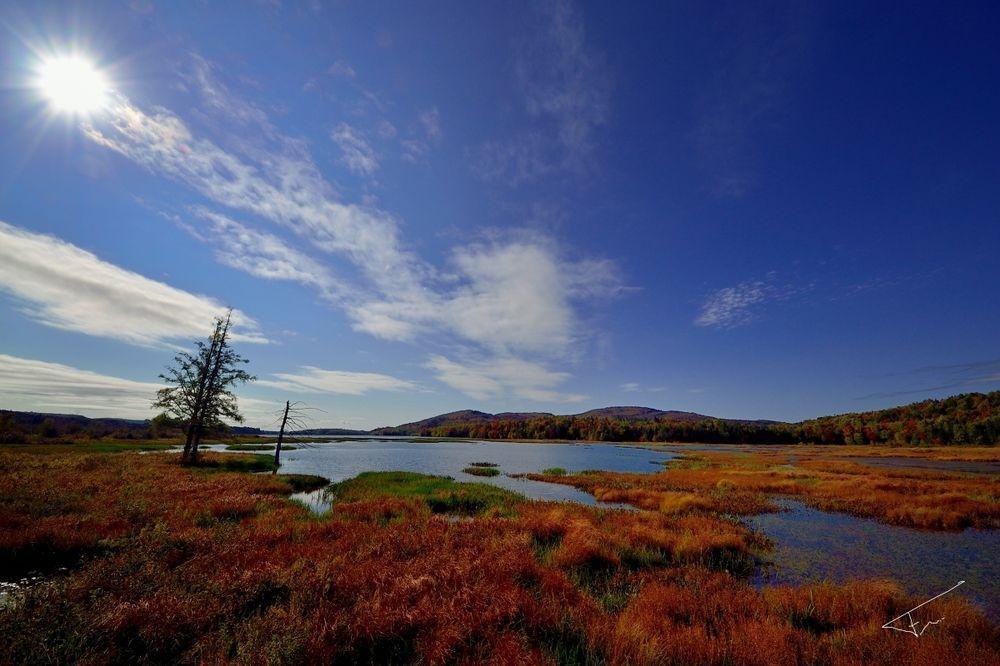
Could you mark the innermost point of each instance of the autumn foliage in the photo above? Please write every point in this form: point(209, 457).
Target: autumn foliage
point(170, 564)
point(746, 484)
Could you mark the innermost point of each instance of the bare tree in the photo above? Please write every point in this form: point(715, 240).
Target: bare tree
point(201, 387)
point(294, 415)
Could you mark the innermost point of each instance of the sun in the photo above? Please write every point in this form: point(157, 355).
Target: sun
point(72, 84)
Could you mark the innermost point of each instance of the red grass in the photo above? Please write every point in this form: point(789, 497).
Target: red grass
point(184, 565)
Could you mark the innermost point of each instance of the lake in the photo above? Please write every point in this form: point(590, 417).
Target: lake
point(346, 459)
point(810, 545)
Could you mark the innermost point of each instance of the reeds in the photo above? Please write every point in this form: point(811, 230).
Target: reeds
point(216, 566)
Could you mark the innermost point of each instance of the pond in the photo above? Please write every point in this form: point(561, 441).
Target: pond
point(346, 459)
point(812, 546)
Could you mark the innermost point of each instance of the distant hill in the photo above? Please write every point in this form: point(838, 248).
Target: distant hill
point(468, 417)
point(642, 414)
point(969, 419)
point(326, 432)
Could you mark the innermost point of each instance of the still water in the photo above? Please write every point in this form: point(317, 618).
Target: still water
point(810, 545)
point(346, 459)
point(813, 546)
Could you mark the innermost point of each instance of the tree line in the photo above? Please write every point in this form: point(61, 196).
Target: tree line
point(968, 419)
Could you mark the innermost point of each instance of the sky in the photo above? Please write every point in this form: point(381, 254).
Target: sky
point(749, 210)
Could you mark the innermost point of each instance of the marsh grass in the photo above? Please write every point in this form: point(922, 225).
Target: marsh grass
point(441, 494)
point(258, 447)
point(211, 565)
point(749, 483)
point(482, 471)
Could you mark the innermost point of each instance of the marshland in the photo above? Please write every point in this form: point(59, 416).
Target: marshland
point(677, 555)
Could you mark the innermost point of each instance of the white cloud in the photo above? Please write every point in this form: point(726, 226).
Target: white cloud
point(741, 304)
point(33, 385)
point(342, 70)
point(317, 380)
point(431, 121)
point(563, 80)
point(566, 91)
point(510, 296)
point(630, 387)
point(28, 384)
point(500, 376)
point(386, 130)
point(262, 254)
point(732, 306)
point(356, 153)
point(69, 288)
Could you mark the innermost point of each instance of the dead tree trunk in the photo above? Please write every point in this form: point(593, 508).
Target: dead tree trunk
point(281, 436)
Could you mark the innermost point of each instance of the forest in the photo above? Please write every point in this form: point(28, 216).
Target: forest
point(967, 419)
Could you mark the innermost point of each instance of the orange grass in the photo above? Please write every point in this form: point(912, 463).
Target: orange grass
point(746, 483)
point(188, 565)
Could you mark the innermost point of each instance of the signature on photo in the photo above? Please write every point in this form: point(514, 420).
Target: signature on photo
point(912, 625)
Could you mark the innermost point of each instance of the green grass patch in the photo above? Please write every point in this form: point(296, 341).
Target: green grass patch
point(95, 446)
point(483, 464)
point(301, 483)
point(258, 447)
point(255, 462)
point(482, 471)
point(554, 471)
point(442, 494)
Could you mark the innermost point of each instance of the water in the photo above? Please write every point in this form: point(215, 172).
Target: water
point(346, 459)
point(813, 546)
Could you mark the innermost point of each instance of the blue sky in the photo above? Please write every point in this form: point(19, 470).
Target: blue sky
point(773, 211)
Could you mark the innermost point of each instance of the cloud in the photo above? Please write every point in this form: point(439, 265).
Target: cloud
point(262, 254)
point(431, 122)
point(565, 88)
point(516, 295)
point(513, 295)
point(744, 95)
point(69, 288)
point(341, 69)
point(356, 153)
point(217, 97)
point(316, 380)
point(736, 306)
point(33, 385)
point(631, 387)
point(386, 130)
point(975, 373)
point(732, 306)
point(282, 185)
point(28, 384)
point(502, 376)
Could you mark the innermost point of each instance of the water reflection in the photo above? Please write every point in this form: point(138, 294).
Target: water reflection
point(346, 459)
point(813, 546)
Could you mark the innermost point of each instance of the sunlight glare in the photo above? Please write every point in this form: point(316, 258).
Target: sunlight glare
point(73, 84)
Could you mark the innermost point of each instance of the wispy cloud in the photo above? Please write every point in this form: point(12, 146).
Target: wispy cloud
point(310, 379)
point(565, 88)
point(636, 387)
point(519, 294)
point(355, 151)
point(29, 384)
point(69, 288)
point(744, 95)
point(261, 254)
point(341, 69)
point(501, 376)
point(731, 307)
point(33, 385)
point(933, 378)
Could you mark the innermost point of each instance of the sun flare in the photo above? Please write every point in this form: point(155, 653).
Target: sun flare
point(73, 84)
